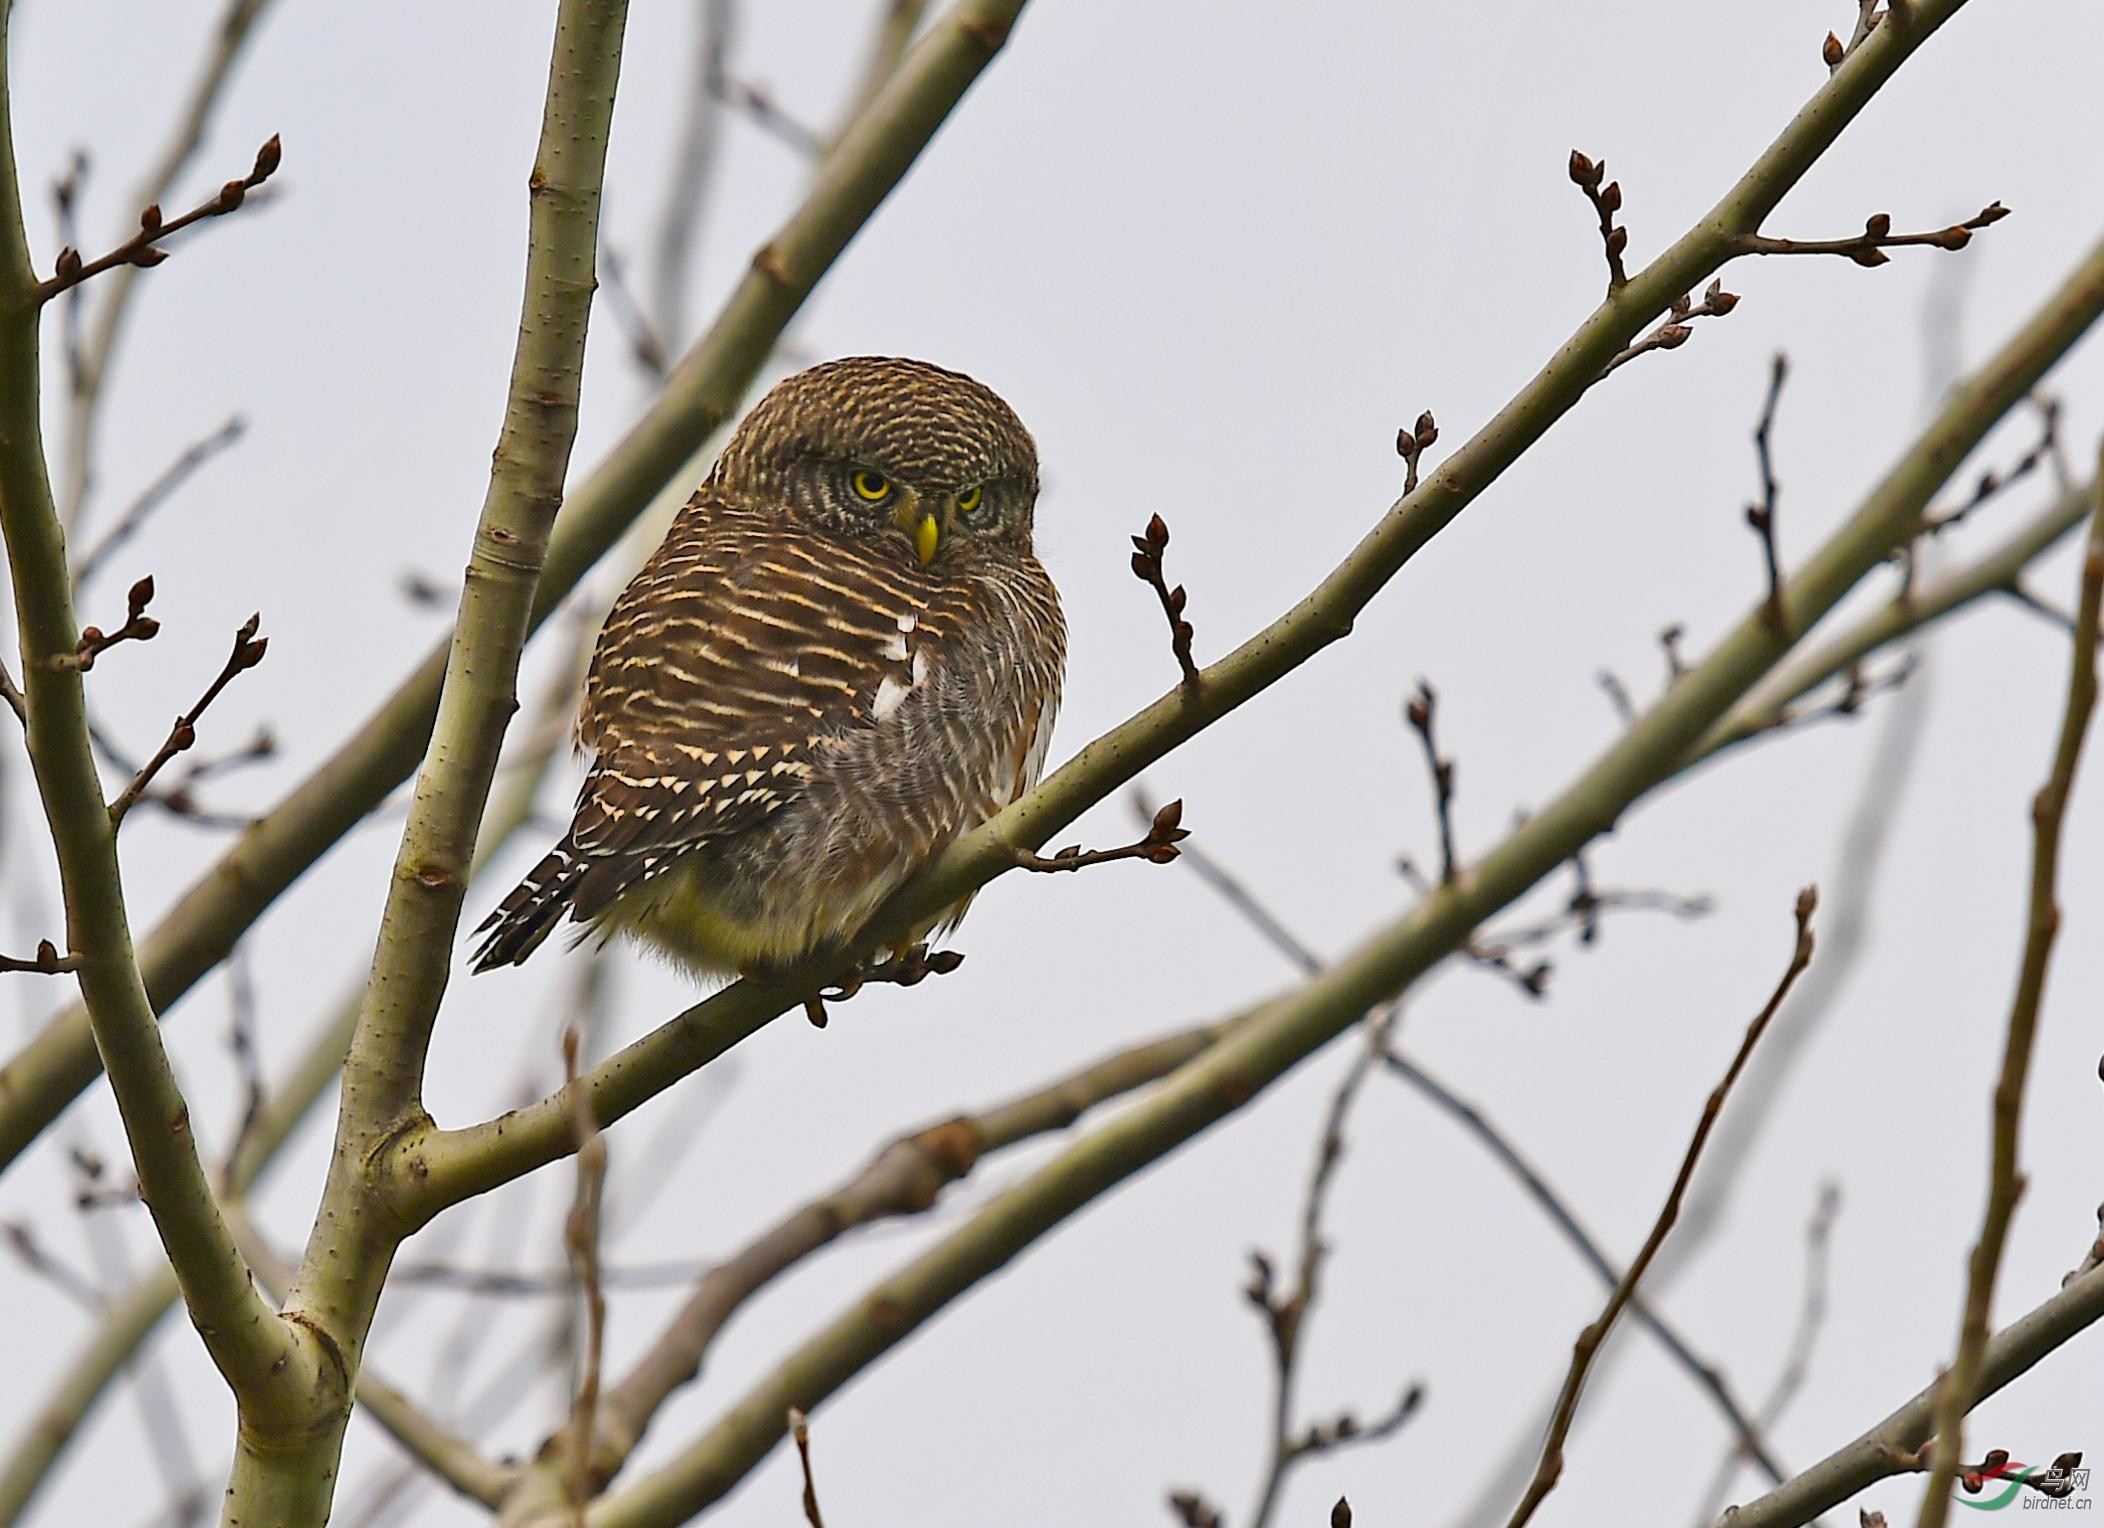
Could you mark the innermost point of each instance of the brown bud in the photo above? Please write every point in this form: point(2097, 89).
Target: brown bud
point(140, 595)
point(90, 636)
point(1721, 302)
point(1341, 1514)
point(249, 627)
point(251, 653)
point(149, 257)
point(144, 628)
point(1955, 237)
point(1157, 532)
point(232, 194)
point(47, 954)
point(1673, 336)
point(182, 736)
point(1617, 241)
point(150, 219)
point(1878, 225)
point(1832, 51)
point(1611, 198)
point(1993, 212)
point(68, 263)
point(1870, 255)
point(1583, 171)
point(267, 158)
point(1427, 430)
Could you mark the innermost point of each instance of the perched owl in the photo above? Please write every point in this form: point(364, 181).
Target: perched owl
point(843, 656)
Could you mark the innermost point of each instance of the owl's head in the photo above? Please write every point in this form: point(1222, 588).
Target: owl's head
point(877, 446)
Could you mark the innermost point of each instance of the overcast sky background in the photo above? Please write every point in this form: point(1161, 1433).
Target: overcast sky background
point(1213, 257)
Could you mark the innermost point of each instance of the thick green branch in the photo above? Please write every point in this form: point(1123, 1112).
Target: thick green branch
point(1229, 1074)
point(288, 1476)
point(442, 1167)
point(264, 1360)
point(871, 159)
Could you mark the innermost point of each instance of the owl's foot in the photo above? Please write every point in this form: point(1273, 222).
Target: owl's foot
point(908, 969)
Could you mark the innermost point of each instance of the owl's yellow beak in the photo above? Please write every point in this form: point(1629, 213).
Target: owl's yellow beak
point(925, 536)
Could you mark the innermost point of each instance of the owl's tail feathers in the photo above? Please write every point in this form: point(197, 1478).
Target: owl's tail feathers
point(527, 916)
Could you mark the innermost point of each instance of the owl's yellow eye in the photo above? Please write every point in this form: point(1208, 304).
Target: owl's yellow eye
point(872, 487)
point(971, 499)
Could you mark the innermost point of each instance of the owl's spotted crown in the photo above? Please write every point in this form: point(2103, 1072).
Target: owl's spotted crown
point(919, 423)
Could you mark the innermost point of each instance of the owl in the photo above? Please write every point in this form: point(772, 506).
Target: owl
point(843, 656)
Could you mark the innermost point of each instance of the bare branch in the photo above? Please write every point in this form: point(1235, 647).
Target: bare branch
point(1869, 246)
point(1957, 1391)
point(1586, 175)
point(94, 641)
point(1761, 513)
point(46, 962)
point(1147, 550)
point(1550, 1469)
point(1410, 445)
point(142, 249)
point(1158, 847)
point(247, 652)
point(1419, 712)
point(581, 1240)
point(1675, 331)
point(800, 1429)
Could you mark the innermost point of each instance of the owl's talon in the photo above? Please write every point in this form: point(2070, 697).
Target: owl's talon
point(815, 1011)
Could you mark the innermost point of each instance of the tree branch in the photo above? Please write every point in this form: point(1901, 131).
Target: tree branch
point(1550, 1469)
point(1889, 1448)
point(265, 1361)
point(2005, 1183)
point(285, 1473)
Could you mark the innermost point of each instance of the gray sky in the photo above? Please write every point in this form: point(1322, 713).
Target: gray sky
point(1214, 258)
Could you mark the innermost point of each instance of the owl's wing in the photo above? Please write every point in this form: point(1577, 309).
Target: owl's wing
point(741, 651)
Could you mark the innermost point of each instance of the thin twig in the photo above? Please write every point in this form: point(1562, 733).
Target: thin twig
point(1147, 550)
point(94, 641)
point(247, 653)
point(1956, 1392)
point(800, 1429)
point(581, 1240)
point(46, 962)
point(1550, 1468)
point(1586, 175)
point(1419, 712)
point(1158, 847)
point(1761, 513)
point(1286, 1312)
point(1675, 331)
point(1411, 444)
point(154, 495)
point(141, 249)
point(1869, 246)
point(1994, 482)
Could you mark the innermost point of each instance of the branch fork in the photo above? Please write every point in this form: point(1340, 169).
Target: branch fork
point(94, 642)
